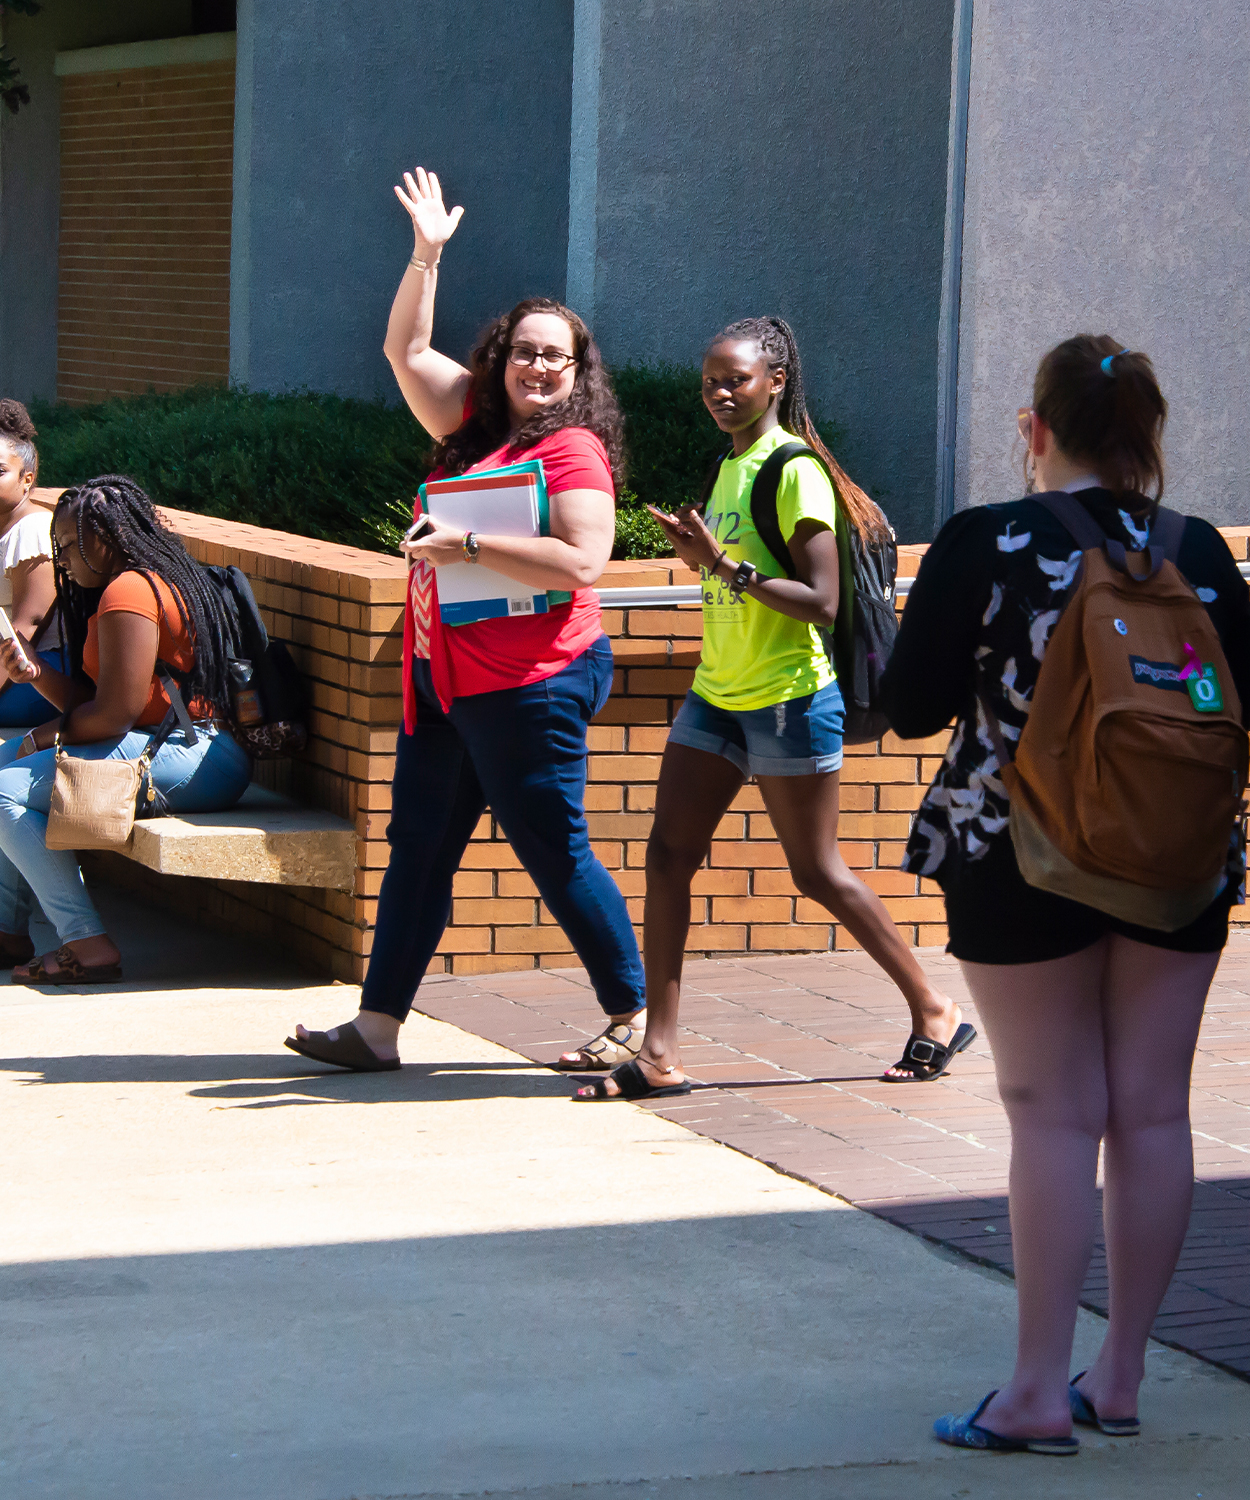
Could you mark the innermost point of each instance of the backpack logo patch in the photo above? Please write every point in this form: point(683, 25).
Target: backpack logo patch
point(1160, 674)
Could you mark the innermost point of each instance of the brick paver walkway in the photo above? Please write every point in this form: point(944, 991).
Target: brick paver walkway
point(787, 1052)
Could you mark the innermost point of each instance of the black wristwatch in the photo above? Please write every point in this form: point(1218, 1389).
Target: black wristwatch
point(470, 546)
point(744, 577)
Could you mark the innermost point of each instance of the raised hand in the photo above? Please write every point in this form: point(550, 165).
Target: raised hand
point(432, 225)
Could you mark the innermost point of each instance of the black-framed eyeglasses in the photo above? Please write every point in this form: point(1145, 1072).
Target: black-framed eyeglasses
point(555, 360)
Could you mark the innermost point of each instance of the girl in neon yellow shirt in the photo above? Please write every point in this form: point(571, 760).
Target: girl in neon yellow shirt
point(766, 703)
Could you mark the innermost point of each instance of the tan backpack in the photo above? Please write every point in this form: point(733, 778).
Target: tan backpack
point(1127, 781)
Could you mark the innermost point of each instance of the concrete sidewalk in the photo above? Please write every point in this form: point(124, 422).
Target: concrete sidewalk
point(787, 1053)
point(225, 1277)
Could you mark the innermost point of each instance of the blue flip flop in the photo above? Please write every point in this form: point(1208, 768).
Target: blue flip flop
point(1083, 1413)
point(966, 1432)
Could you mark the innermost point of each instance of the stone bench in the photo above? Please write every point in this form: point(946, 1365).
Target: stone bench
point(265, 838)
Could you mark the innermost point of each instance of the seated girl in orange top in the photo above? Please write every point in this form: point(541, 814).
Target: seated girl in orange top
point(130, 595)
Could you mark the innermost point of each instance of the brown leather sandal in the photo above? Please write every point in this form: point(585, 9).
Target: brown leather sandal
point(618, 1043)
point(348, 1050)
point(71, 970)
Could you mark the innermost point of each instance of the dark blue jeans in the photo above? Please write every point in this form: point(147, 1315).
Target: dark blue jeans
point(522, 753)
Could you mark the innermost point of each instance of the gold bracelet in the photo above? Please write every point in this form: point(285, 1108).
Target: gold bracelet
point(424, 265)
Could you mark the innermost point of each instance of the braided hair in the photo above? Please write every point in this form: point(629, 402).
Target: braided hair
point(591, 403)
point(118, 513)
point(18, 431)
point(775, 340)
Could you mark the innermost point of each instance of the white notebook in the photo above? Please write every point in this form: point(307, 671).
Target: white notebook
point(509, 501)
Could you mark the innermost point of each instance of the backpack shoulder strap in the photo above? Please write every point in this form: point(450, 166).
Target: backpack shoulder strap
point(709, 481)
point(1167, 532)
point(1074, 518)
point(764, 501)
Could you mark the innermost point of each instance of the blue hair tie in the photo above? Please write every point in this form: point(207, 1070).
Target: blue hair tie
point(1106, 364)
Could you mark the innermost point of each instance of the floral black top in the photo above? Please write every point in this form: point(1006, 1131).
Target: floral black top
point(988, 594)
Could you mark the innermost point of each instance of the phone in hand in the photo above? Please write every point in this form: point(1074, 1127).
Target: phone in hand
point(9, 634)
point(418, 526)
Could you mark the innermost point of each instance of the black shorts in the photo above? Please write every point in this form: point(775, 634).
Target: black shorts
point(994, 917)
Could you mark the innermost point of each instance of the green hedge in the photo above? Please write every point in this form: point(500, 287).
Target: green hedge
point(346, 470)
point(315, 465)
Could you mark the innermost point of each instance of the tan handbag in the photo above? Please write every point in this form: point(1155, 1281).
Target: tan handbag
point(93, 801)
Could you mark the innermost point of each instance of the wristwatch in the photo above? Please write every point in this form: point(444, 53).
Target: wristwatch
point(744, 577)
point(470, 546)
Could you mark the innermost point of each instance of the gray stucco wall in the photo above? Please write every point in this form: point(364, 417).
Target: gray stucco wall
point(30, 171)
point(1108, 191)
point(740, 162)
point(330, 112)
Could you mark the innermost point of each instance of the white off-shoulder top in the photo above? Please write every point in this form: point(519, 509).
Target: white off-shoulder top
point(25, 540)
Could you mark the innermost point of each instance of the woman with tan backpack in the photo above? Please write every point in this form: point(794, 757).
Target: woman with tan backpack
point(1093, 650)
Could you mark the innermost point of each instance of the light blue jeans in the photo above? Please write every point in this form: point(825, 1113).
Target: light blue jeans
point(209, 776)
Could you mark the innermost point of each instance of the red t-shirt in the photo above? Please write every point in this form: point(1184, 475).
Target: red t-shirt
point(493, 654)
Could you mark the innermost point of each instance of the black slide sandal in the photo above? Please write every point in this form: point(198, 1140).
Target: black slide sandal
point(633, 1084)
point(928, 1059)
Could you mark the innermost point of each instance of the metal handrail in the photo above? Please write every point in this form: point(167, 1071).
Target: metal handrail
point(662, 596)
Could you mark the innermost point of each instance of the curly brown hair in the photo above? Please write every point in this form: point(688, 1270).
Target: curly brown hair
point(17, 428)
point(591, 403)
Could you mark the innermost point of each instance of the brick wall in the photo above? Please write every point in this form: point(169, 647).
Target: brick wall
point(144, 258)
point(743, 900)
point(341, 609)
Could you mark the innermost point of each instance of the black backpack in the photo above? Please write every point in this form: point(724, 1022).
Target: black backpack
point(862, 638)
point(269, 696)
point(271, 699)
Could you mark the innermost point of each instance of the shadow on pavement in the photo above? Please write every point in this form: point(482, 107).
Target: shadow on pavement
point(272, 1078)
point(1207, 1307)
point(435, 1365)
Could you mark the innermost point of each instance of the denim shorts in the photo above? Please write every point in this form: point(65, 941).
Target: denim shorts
point(802, 737)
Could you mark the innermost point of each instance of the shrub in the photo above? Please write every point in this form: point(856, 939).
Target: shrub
point(322, 466)
point(345, 470)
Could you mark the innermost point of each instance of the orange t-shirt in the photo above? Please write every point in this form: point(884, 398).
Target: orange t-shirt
point(131, 594)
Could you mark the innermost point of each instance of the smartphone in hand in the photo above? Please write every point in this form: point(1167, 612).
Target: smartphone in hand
point(9, 634)
point(415, 530)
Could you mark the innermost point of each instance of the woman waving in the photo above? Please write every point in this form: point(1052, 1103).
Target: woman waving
point(495, 712)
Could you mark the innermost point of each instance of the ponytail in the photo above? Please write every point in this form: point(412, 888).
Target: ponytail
point(1105, 408)
point(775, 339)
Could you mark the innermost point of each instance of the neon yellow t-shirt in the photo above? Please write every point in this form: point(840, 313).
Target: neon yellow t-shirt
point(754, 657)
